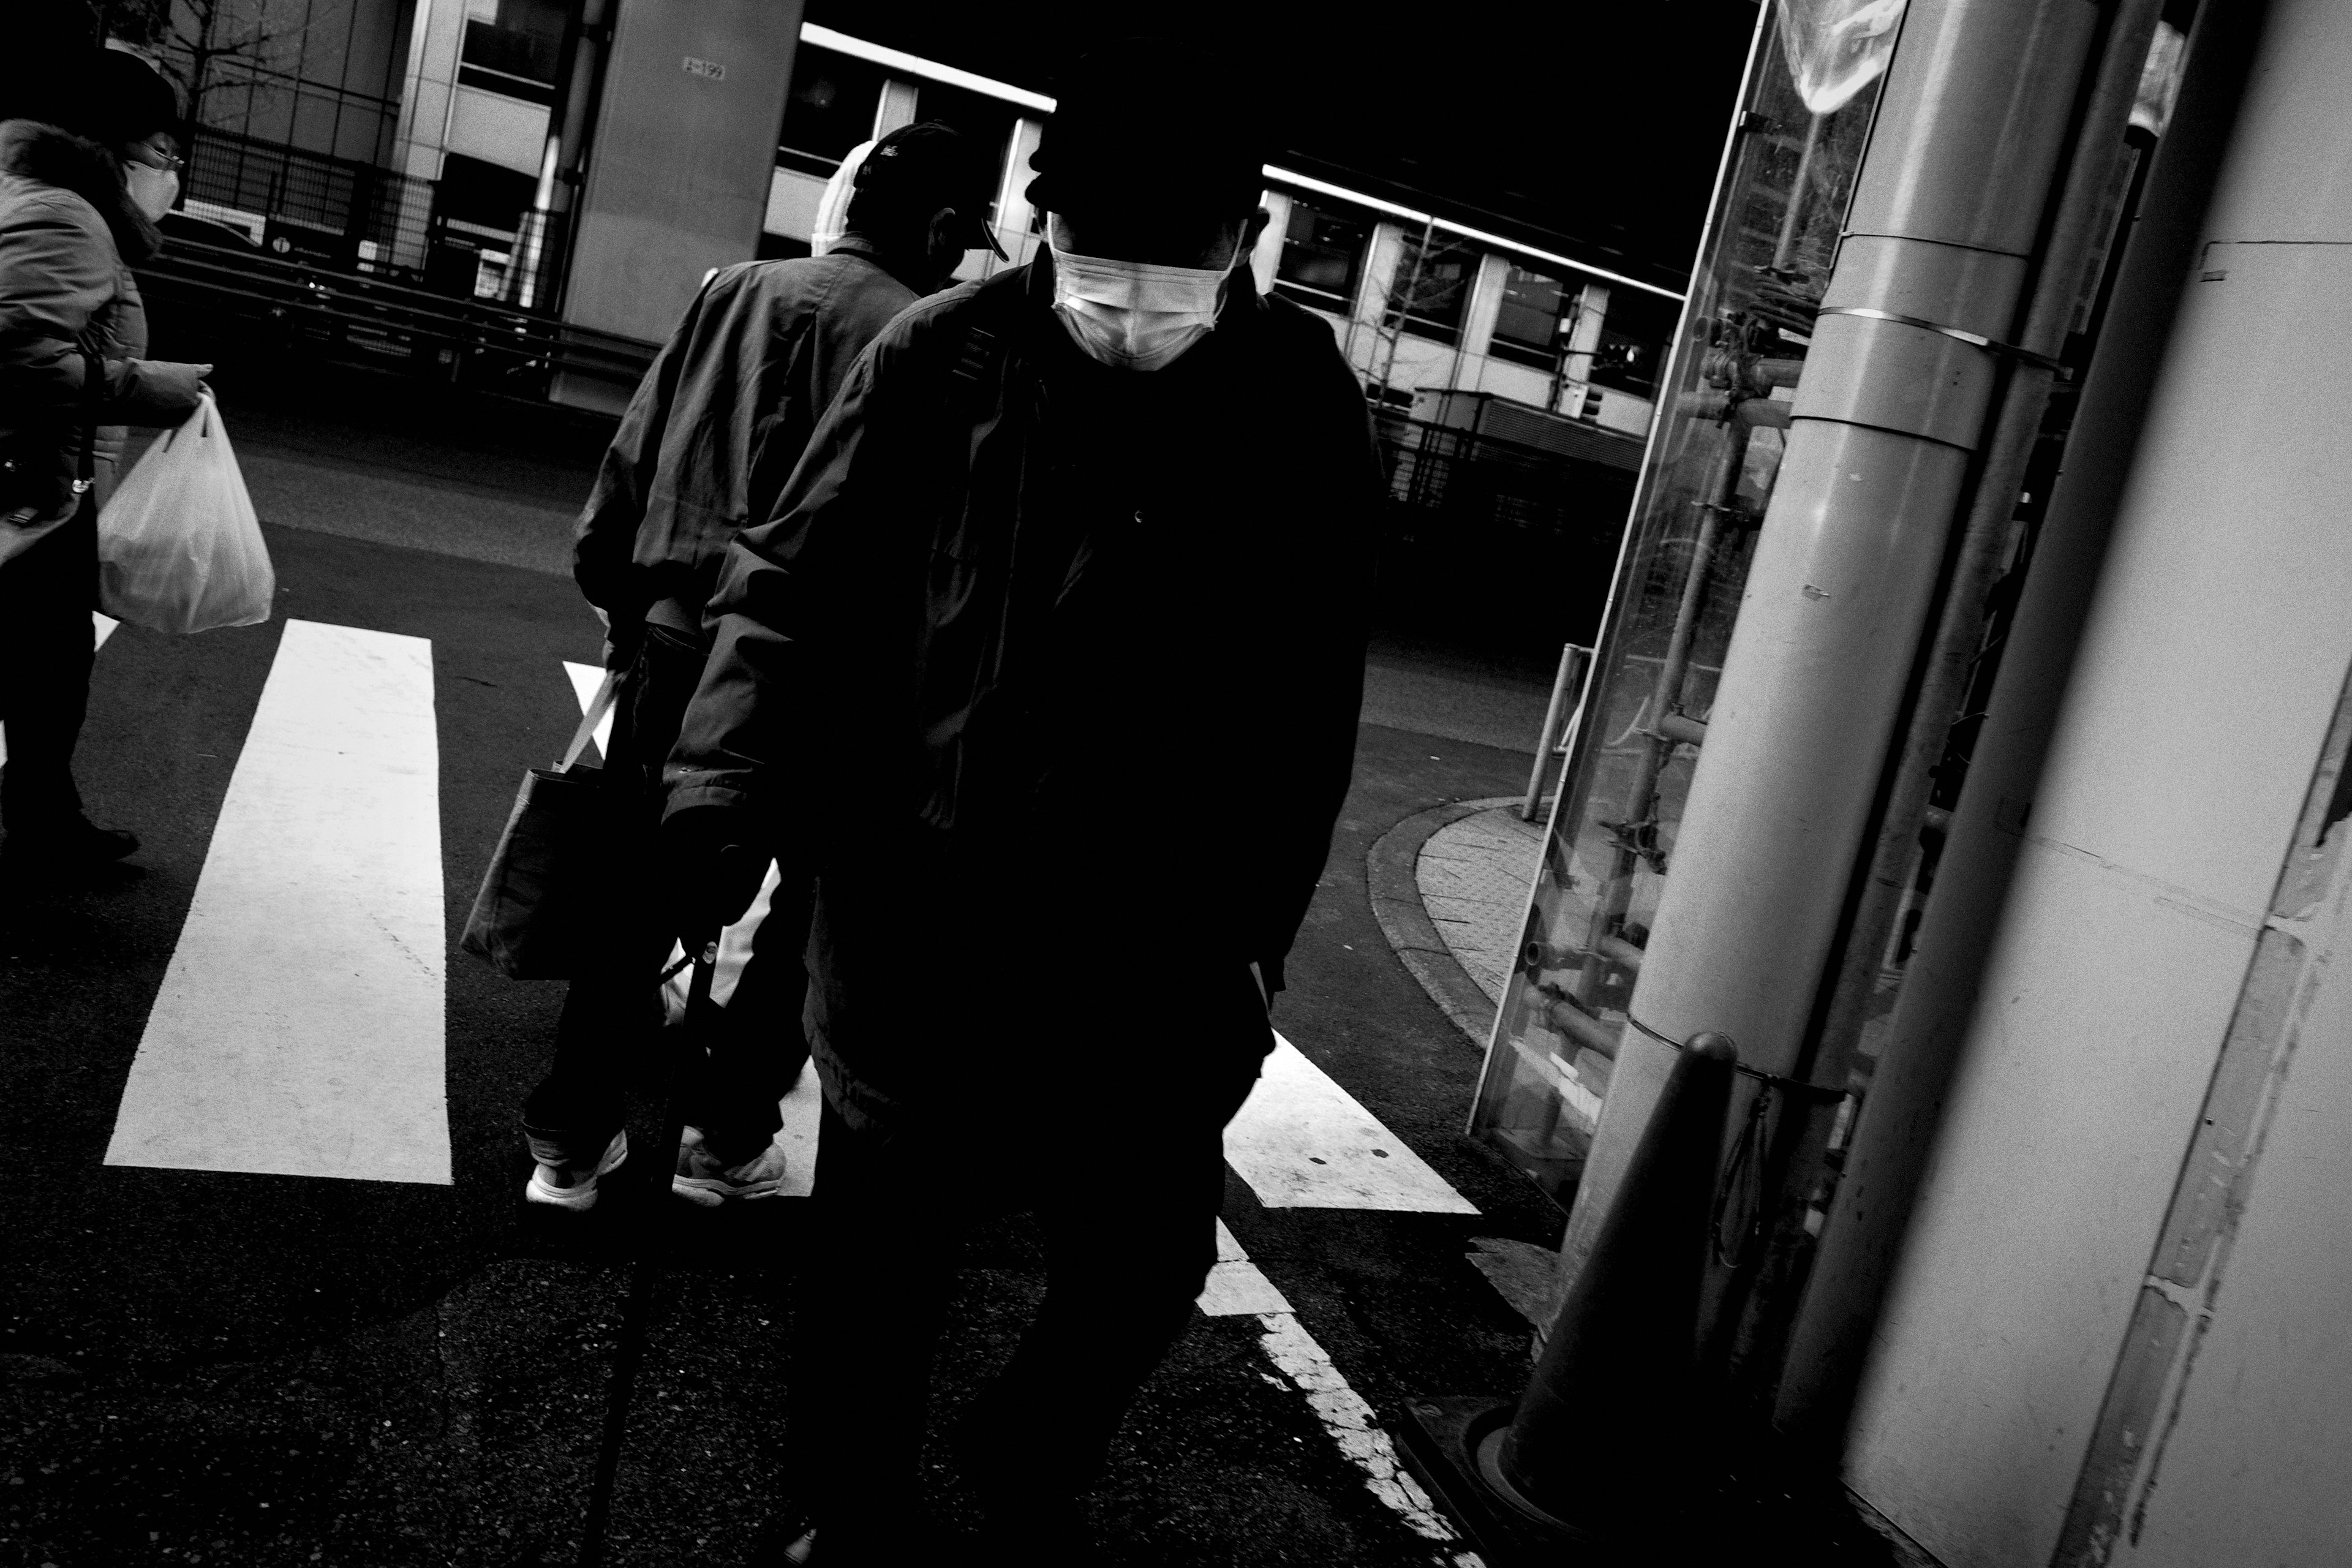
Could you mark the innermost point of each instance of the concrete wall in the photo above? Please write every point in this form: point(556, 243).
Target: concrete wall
point(680, 173)
point(2045, 1343)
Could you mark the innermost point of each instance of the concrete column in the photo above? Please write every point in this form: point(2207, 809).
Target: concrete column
point(1592, 315)
point(1485, 304)
point(895, 107)
point(1013, 212)
point(428, 87)
point(1945, 213)
point(685, 149)
point(1267, 256)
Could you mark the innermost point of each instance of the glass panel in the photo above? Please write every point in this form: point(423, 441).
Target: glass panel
point(1634, 337)
point(520, 40)
point(830, 109)
point(1536, 315)
point(1433, 284)
point(1707, 474)
point(1322, 255)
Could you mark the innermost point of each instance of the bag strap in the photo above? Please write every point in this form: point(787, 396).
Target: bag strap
point(598, 706)
point(93, 392)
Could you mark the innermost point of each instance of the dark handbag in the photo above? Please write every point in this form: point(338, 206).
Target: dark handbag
point(31, 504)
point(556, 902)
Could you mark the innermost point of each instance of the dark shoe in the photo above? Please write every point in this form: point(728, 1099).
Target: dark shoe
point(74, 846)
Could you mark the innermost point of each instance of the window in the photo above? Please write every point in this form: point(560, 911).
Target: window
point(829, 110)
point(514, 46)
point(1433, 284)
point(1322, 255)
point(986, 123)
point(1533, 323)
point(1634, 337)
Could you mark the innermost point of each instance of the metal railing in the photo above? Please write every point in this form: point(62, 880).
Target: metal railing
point(275, 304)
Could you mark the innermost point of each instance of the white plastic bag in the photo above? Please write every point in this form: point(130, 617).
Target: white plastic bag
point(178, 549)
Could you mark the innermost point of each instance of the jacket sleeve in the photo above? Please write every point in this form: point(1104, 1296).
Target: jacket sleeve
point(802, 620)
point(604, 539)
point(1321, 698)
point(57, 270)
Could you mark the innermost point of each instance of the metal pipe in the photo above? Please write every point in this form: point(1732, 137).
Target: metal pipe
point(1863, 1232)
point(1784, 248)
point(1947, 209)
point(1801, 1172)
point(1574, 659)
point(1681, 728)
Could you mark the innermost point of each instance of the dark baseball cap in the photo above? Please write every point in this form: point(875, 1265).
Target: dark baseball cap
point(922, 167)
point(1159, 123)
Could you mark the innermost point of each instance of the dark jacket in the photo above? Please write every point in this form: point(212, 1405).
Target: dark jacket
point(68, 234)
point(1045, 664)
point(719, 420)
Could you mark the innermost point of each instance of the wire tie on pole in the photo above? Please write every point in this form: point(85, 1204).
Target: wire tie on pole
point(1975, 340)
point(1770, 1079)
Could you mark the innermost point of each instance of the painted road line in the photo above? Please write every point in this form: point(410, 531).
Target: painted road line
point(1302, 1141)
point(1347, 1420)
point(299, 1027)
point(102, 627)
point(1356, 1432)
point(1235, 1287)
point(585, 679)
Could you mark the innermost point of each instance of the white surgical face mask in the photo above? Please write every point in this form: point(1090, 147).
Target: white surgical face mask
point(1132, 315)
point(153, 190)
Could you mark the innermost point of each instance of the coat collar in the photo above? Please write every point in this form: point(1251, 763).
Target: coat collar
point(50, 155)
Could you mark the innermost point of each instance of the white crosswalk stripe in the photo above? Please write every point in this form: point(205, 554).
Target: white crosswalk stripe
point(299, 1027)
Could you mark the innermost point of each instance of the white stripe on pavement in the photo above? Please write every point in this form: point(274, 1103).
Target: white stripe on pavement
point(1302, 1141)
point(298, 1030)
point(101, 627)
point(1347, 1420)
point(1235, 1287)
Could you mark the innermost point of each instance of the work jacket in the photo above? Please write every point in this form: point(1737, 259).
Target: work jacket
point(720, 419)
point(1044, 664)
point(68, 234)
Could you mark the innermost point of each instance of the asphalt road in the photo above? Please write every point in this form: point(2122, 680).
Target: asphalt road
point(235, 1368)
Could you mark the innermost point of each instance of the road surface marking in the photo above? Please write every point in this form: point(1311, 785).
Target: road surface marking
point(299, 1027)
point(585, 679)
point(102, 627)
point(1302, 1141)
point(1347, 1420)
point(1235, 1287)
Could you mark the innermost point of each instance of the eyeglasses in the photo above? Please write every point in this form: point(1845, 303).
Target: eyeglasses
point(156, 158)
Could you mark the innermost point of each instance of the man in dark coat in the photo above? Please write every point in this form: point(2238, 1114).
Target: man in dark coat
point(708, 441)
point(1050, 659)
point(73, 334)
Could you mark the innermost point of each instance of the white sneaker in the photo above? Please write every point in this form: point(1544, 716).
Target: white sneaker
point(701, 1179)
point(567, 1188)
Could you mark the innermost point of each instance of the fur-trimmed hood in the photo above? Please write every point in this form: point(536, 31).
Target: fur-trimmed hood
point(34, 151)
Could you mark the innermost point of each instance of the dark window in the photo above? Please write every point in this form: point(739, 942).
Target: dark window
point(829, 110)
point(1531, 327)
point(985, 122)
point(1634, 338)
point(1322, 255)
point(1431, 286)
point(517, 50)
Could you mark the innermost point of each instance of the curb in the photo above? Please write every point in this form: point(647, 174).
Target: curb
point(1391, 874)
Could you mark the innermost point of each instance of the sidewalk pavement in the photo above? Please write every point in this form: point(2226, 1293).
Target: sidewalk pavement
point(1450, 886)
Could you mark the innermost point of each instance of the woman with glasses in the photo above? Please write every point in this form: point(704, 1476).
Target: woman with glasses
point(86, 165)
